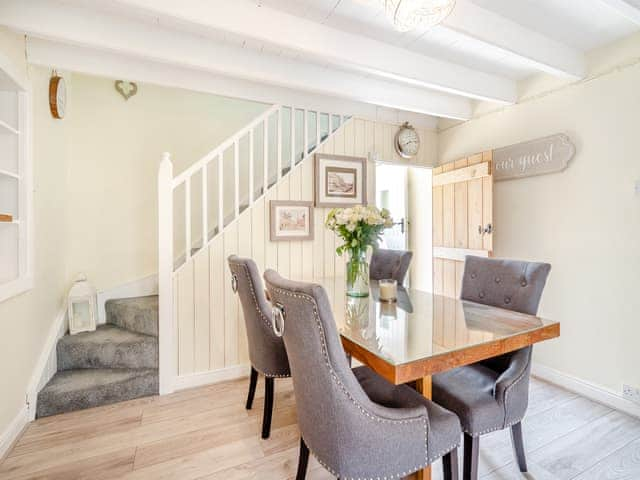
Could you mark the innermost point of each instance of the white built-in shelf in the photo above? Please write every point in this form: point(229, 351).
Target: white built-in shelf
point(12, 222)
point(5, 173)
point(6, 128)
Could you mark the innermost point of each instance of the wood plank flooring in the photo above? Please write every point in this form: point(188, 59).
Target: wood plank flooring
point(206, 433)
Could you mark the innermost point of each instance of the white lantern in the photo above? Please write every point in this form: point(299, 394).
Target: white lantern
point(82, 308)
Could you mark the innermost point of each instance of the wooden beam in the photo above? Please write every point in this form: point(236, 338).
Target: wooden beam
point(143, 42)
point(471, 172)
point(506, 38)
point(309, 39)
point(630, 9)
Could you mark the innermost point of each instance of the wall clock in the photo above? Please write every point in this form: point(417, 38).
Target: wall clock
point(407, 141)
point(57, 96)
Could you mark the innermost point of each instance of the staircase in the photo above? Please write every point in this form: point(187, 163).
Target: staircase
point(220, 205)
point(117, 362)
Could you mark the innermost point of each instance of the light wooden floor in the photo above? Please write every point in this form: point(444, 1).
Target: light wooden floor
point(206, 433)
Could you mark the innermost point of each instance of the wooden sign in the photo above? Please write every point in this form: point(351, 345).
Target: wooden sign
point(537, 157)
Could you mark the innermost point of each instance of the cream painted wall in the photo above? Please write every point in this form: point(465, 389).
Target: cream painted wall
point(584, 221)
point(25, 320)
point(115, 152)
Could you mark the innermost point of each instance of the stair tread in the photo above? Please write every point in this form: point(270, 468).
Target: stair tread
point(78, 389)
point(107, 333)
point(89, 378)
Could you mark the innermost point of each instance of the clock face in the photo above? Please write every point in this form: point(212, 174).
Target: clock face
point(57, 97)
point(407, 142)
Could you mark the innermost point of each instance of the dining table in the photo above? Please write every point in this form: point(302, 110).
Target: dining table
point(422, 333)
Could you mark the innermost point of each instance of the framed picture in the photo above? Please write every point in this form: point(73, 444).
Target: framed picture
point(291, 220)
point(340, 181)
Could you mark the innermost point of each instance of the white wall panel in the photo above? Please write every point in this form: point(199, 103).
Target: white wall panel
point(219, 340)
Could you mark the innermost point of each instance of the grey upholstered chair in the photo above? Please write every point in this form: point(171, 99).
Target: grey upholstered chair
point(357, 424)
point(266, 350)
point(493, 394)
point(389, 264)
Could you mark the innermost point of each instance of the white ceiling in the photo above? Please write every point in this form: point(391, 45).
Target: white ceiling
point(580, 24)
point(345, 49)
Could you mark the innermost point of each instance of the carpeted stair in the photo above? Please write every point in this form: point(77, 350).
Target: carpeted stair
point(117, 362)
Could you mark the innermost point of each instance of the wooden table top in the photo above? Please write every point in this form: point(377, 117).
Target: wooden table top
point(424, 333)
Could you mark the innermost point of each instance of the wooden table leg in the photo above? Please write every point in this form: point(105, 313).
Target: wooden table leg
point(423, 385)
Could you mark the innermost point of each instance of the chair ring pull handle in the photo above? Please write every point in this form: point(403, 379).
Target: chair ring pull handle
point(234, 283)
point(277, 313)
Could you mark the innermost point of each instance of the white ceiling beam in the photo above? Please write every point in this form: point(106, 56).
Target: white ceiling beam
point(82, 27)
point(90, 61)
point(511, 39)
point(629, 9)
point(317, 41)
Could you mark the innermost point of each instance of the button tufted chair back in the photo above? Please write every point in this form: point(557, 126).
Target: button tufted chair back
point(350, 435)
point(266, 351)
point(509, 284)
point(390, 264)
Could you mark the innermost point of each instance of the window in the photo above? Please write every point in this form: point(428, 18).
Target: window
point(15, 188)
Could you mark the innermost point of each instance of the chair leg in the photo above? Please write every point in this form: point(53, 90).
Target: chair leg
point(253, 381)
point(349, 359)
point(303, 460)
point(450, 465)
point(471, 454)
point(518, 446)
point(268, 407)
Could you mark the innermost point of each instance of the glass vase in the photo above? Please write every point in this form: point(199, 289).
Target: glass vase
point(358, 274)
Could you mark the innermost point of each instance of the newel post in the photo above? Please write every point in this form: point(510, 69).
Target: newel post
point(166, 340)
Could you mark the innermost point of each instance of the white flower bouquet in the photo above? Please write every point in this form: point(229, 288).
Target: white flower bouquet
point(359, 227)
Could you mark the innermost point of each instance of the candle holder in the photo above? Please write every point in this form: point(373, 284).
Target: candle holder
point(388, 290)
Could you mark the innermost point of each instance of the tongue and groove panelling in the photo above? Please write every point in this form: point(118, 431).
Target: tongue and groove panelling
point(208, 318)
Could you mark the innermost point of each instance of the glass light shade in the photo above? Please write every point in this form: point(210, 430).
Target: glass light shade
point(408, 15)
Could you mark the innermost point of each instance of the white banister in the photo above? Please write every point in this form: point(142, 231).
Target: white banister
point(223, 146)
point(305, 142)
point(187, 217)
point(205, 206)
point(293, 138)
point(265, 159)
point(220, 193)
point(166, 340)
point(279, 145)
point(236, 179)
point(251, 192)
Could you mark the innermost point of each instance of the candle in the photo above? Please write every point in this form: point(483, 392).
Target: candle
point(388, 290)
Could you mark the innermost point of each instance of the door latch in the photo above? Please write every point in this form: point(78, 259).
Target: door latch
point(488, 230)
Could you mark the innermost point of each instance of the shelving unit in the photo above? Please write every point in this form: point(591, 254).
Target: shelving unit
point(15, 184)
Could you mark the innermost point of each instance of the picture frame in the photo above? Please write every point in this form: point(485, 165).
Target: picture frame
point(339, 180)
point(291, 220)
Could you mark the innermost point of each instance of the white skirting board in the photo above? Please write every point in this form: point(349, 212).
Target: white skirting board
point(193, 380)
point(47, 364)
point(586, 389)
point(13, 431)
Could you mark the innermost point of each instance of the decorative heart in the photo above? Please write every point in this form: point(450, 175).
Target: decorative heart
point(126, 89)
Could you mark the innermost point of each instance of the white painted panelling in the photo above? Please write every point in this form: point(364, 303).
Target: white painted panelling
point(221, 338)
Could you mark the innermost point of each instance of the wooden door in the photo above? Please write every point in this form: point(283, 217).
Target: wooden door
point(462, 218)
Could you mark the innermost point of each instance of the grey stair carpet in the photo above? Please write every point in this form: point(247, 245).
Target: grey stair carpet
point(108, 347)
point(71, 390)
point(138, 314)
point(116, 362)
